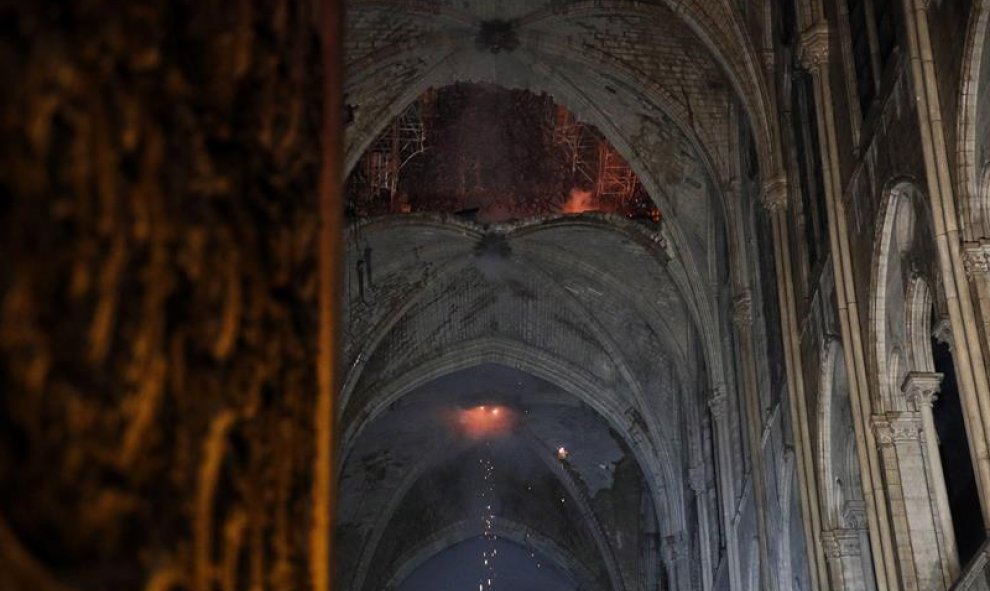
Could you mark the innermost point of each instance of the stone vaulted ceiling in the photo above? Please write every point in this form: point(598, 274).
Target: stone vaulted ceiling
point(602, 324)
point(576, 324)
point(673, 63)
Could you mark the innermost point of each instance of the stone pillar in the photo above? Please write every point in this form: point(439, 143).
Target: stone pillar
point(968, 346)
point(921, 389)
point(844, 552)
point(742, 318)
point(676, 554)
point(855, 519)
point(917, 536)
point(721, 428)
point(699, 485)
point(814, 54)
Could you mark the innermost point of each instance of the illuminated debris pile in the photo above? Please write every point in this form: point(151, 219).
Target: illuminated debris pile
point(496, 154)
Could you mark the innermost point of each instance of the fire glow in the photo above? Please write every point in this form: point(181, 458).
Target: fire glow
point(483, 422)
point(580, 201)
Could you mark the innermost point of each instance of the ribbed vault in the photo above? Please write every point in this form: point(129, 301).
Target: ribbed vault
point(588, 307)
point(626, 320)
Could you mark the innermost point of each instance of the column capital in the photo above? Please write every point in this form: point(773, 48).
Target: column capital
point(774, 194)
point(844, 542)
point(717, 404)
point(696, 479)
point(742, 309)
point(732, 186)
point(841, 543)
point(897, 427)
point(921, 387)
point(854, 514)
point(830, 547)
point(976, 259)
point(814, 47)
point(942, 332)
point(674, 548)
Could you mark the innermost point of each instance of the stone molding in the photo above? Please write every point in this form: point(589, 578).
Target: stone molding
point(774, 197)
point(814, 46)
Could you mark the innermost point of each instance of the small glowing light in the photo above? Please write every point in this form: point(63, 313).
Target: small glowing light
point(562, 453)
point(483, 422)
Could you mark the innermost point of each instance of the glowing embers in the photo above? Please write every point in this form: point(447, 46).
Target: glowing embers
point(484, 421)
point(488, 521)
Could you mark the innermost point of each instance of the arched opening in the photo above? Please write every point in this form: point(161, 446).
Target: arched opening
point(931, 352)
point(960, 481)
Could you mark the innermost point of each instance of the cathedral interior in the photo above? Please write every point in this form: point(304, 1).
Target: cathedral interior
point(495, 295)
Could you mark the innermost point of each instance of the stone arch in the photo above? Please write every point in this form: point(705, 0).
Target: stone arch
point(889, 303)
point(837, 460)
point(656, 458)
point(437, 456)
point(652, 244)
point(973, 127)
point(516, 532)
point(720, 31)
point(568, 94)
point(919, 300)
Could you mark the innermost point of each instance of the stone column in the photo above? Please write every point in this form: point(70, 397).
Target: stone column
point(717, 405)
point(676, 559)
point(921, 389)
point(814, 54)
point(742, 318)
point(917, 535)
point(844, 552)
point(855, 520)
point(775, 198)
point(699, 485)
point(968, 346)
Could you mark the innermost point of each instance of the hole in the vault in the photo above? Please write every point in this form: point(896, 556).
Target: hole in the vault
point(485, 152)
